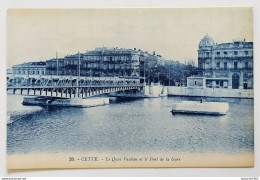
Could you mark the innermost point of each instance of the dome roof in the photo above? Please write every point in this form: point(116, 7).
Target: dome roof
point(206, 41)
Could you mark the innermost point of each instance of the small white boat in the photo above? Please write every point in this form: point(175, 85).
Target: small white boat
point(195, 107)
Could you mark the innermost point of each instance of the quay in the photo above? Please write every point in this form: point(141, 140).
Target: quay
point(210, 92)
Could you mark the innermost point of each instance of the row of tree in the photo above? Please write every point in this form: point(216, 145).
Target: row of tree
point(171, 73)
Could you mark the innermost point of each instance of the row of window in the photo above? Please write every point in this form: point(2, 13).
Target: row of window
point(234, 53)
point(246, 65)
point(84, 64)
point(108, 58)
point(235, 65)
point(94, 73)
point(28, 72)
point(225, 53)
point(95, 65)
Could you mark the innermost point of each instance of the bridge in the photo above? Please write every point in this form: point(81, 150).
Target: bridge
point(69, 86)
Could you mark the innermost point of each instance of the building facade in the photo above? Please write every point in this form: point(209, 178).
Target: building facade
point(113, 62)
point(226, 65)
point(36, 68)
point(53, 69)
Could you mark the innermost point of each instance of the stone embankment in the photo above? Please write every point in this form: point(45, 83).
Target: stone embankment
point(210, 92)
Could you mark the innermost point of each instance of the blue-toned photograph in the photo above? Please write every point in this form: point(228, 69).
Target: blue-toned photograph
point(109, 88)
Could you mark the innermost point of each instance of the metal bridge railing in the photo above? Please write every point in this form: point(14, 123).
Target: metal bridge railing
point(90, 85)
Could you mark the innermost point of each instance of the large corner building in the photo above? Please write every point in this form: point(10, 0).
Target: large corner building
point(226, 65)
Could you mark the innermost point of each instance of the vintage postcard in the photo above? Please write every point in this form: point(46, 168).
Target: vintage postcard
point(120, 88)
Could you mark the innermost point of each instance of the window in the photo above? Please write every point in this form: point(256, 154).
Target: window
point(235, 53)
point(225, 66)
point(195, 83)
point(225, 53)
point(111, 58)
point(218, 53)
point(218, 65)
point(246, 52)
point(235, 65)
point(200, 66)
point(246, 65)
point(207, 66)
point(207, 54)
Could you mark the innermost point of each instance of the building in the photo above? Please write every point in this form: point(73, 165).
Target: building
point(129, 63)
point(113, 62)
point(38, 68)
point(196, 82)
point(226, 65)
point(53, 69)
point(101, 62)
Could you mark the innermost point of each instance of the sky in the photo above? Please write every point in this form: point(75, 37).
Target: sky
point(37, 34)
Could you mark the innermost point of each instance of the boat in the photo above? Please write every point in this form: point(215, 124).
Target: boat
point(200, 107)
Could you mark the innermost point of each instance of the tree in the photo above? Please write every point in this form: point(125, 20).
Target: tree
point(173, 72)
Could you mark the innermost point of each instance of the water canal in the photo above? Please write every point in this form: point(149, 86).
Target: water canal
point(142, 125)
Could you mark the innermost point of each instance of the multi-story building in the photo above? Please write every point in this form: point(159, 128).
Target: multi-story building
point(71, 65)
point(30, 68)
point(53, 69)
point(226, 65)
point(119, 62)
point(113, 62)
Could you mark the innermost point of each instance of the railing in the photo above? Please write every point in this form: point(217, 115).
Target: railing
point(90, 85)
